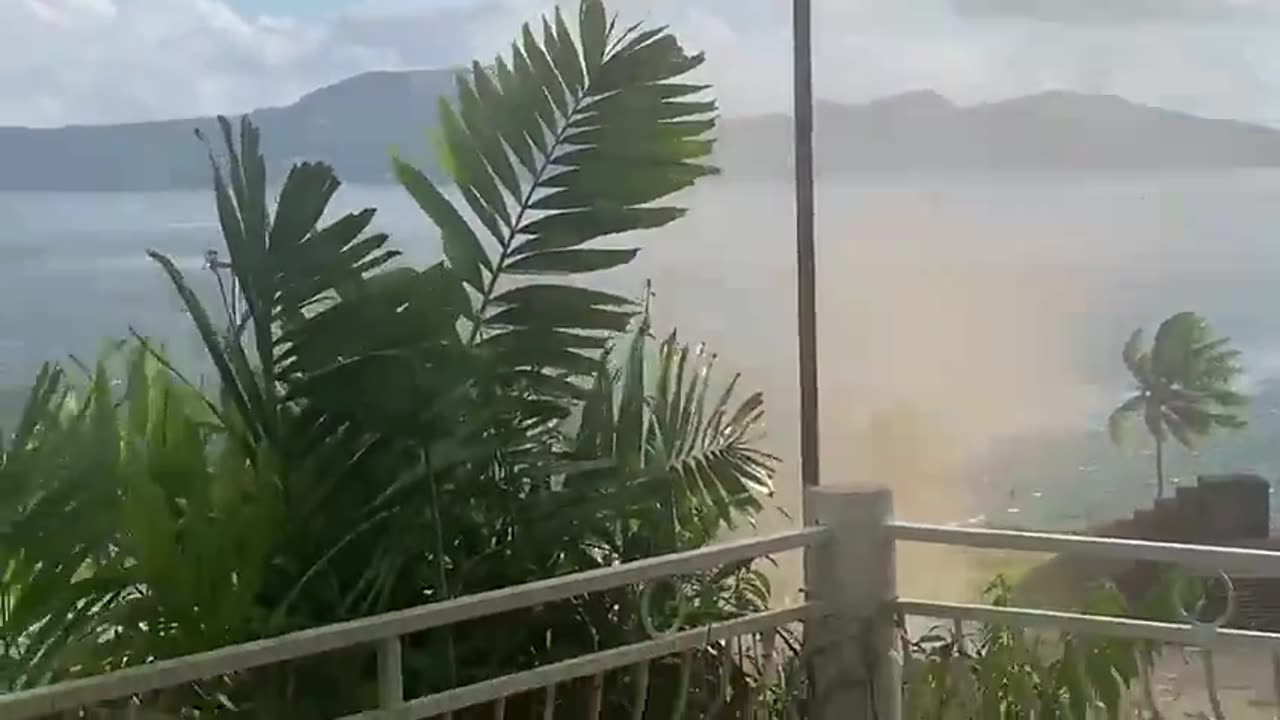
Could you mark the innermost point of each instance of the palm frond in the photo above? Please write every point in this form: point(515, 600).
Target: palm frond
point(1135, 357)
point(1173, 352)
point(1122, 418)
point(567, 140)
point(285, 265)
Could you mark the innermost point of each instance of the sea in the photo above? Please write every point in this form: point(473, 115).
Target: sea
point(989, 308)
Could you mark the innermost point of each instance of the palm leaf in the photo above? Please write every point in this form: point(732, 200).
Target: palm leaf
point(1186, 428)
point(1121, 418)
point(1173, 350)
point(1135, 357)
point(286, 265)
point(713, 460)
point(569, 141)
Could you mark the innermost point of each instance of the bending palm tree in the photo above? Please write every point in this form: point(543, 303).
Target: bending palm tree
point(1185, 386)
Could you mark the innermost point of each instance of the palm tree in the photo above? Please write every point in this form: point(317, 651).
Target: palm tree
point(1185, 386)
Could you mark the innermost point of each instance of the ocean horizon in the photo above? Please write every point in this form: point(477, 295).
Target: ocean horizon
point(995, 305)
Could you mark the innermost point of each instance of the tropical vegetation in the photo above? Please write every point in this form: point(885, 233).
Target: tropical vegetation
point(373, 435)
point(1185, 386)
point(378, 435)
point(980, 670)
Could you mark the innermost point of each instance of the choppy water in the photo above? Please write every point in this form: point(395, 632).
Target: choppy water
point(997, 307)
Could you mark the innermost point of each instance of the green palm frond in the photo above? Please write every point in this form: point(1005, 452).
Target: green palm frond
point(1122, 418)
point(286, 266)
point(570, 138)
point(705, 441)
point(1136, 359)
point(1172, 349)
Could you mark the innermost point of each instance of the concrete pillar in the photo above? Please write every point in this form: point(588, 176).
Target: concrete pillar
point(856, 668)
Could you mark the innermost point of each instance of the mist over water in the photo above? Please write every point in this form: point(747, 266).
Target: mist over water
point(970, 325)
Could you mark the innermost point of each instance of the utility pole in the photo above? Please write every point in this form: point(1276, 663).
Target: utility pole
point(806, 272)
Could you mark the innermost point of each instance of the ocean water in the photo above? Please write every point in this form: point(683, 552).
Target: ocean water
point(993, 307)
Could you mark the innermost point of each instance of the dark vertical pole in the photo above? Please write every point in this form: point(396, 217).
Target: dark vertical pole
point(806, 280)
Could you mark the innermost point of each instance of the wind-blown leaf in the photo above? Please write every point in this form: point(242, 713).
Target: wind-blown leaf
point(231, 382)
point(614, 130)
point(571, 229)
point(558, 262)
point(473, 173)
point(1122, 416)
point(595, 34)
point(1132, 356)
point(564, 55)
point(1173, 348)
point(486, 134)
point(560, 296)
point(461, 246)
point(307, 191)
point(583, 317)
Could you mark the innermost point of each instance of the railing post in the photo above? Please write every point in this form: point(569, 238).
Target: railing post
point(390, 673)
point(855, 666)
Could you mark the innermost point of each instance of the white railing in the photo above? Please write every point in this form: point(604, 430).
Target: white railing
point(385, 631)
point(1259, 563)
point(850, 575)
point(855, 578)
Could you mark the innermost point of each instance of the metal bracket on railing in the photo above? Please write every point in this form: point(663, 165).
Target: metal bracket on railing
point(1206, 636)
point(646, 607)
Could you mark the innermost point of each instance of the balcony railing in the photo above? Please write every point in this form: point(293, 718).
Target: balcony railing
point(384, 633)
point(850, 605)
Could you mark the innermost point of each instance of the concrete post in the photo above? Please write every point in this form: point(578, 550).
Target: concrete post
point(856, 672)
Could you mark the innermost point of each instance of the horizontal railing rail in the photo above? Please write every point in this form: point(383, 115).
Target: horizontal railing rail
point(1194, 632)
point(1103, 625)
point(590, 665)
point(384, 631)
point(1203, 557)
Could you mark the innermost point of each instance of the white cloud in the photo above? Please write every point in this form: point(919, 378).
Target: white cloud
point(121, 60)
point(117, 60)
point(1107, 12)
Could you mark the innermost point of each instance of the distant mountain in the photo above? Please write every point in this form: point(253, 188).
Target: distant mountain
point(354, 123)
point(1053, 131)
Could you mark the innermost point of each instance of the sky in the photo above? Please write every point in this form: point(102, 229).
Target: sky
point(99, 61)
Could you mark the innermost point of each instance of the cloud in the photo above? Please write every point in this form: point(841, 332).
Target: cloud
point(122, 60)
point(1125, 12)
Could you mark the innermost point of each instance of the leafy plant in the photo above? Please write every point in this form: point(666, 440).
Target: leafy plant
point(1185, 386)
point(382, 436)
point(1001, 672)
point(125, 539)
point(564, 142)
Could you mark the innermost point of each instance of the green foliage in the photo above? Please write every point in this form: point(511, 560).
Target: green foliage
point(558, 145)
point(124, 537)
point(1185, 386)
point(383, 436)
point(1006, 673)
point(1002, 672)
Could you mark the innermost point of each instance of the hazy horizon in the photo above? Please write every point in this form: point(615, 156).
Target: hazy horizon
point(996, 307)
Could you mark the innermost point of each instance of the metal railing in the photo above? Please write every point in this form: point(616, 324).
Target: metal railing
point(850, 575)
point(385, 632)
point(1198, 557)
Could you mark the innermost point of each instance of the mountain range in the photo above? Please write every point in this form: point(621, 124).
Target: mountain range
point(354, 124)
